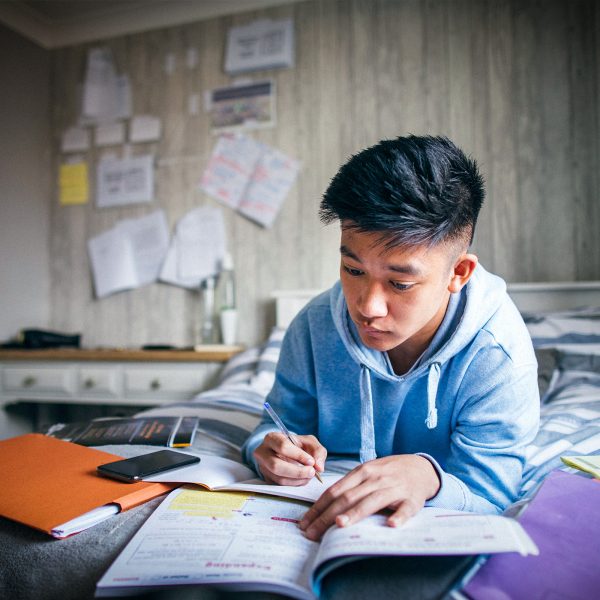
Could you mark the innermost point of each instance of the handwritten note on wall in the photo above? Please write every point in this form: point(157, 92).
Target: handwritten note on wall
point(250, 177)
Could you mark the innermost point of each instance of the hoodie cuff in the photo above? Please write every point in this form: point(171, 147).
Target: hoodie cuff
point(252, 443)
point(452, 493)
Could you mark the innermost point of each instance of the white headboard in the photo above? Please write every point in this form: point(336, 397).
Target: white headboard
point(529, 297)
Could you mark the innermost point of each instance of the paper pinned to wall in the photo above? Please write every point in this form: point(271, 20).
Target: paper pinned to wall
point(230, 167)
point(130, 254)
point(73, 183)
point(144, 128)
point(269, 185)
point(250, 177)
point(125, 181)
point(262, 44)
point(197, 248)
point(75, 139)
point(106, 95)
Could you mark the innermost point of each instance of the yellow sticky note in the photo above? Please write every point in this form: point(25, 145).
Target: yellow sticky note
point(73, 183)
point(201, 503)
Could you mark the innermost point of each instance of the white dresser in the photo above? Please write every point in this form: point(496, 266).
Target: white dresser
point(107, 377)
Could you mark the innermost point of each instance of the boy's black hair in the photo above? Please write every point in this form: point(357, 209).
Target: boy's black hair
point(415, 190)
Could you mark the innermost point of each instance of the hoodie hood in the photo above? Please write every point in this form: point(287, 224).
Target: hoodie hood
point(478, 301)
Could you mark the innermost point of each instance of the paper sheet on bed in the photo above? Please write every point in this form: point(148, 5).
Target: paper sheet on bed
point(587, 464)
point(215, 473)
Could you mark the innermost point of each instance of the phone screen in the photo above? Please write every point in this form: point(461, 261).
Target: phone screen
point(138, 467)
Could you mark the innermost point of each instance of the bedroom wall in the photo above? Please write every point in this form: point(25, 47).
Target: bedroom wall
point(25, 177)
point(514, 82)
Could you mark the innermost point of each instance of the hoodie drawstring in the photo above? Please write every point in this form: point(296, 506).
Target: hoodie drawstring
point(433, 380)
point(367, 429)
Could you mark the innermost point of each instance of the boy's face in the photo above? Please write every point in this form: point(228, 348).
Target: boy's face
point(397, 297)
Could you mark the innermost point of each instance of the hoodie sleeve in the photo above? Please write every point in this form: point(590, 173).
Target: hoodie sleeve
point(495, 419)
point(293, 395)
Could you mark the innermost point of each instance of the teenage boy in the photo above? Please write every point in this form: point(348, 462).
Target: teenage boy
point(416, 362)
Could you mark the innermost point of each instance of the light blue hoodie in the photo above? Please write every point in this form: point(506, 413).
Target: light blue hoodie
point(470, 404)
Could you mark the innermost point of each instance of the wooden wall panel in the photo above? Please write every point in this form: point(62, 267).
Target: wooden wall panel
point(515, 83)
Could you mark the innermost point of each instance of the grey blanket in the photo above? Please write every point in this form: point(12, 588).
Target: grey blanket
point(35, 566)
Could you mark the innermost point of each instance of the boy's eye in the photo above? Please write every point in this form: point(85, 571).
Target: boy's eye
point(351, 271)
point(401, 287)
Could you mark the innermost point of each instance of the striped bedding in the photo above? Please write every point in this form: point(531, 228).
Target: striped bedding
point(568, 348)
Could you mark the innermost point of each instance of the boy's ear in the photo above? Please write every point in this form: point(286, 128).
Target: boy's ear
point(461, 273)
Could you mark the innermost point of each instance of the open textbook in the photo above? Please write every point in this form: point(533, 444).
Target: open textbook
point(241, 541)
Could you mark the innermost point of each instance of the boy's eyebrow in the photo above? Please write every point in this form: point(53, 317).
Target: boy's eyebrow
point(344, 251)
point(404, 269)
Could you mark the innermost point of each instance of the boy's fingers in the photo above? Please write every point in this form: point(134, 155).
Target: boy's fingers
point(296, 479)
point(312, 445)
point(404, 512)
point(282, 446)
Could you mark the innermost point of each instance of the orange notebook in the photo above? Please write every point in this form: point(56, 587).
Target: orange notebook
point(46, 482)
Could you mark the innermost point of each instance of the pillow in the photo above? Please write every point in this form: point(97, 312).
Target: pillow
point(240, 368)
point(565, 357)
point(264, 378)
point(246, 365)
point(580, 326)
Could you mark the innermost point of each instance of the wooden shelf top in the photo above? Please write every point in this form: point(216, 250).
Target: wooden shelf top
point(204, 353)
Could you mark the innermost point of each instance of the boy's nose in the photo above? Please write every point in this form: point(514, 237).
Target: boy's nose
point(372, 303)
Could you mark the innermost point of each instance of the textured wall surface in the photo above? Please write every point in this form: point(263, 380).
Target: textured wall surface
point(25, 179)
point(515, 83)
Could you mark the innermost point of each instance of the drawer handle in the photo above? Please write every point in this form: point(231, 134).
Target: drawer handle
point(28, 381)
point(89, 383)
point(155, 384)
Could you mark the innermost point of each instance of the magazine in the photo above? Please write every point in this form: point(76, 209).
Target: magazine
point(175, 432)
point(251, 542)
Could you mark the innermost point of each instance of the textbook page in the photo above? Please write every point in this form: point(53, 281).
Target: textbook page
point(235, 540)
point(252, 542)
point(432, 531)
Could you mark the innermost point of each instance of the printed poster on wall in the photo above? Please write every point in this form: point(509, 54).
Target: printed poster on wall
point(247, 106)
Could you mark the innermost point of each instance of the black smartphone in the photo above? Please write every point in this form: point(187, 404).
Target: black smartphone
point(136, 468)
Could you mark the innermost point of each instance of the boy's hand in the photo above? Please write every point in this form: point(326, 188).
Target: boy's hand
point(283, 463)
point(401, 483)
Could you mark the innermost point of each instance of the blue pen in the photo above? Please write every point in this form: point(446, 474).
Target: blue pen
point(284, 430)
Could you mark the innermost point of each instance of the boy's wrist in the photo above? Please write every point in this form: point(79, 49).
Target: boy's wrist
point(435, 477)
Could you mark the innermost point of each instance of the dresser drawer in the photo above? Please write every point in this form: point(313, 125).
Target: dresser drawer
point(98, 381)
point(165, 384)
point(33, 380)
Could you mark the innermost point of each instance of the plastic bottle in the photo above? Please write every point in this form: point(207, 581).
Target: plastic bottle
point(225, 298)
point(208, 330)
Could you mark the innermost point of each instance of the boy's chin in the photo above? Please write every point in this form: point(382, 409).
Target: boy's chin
point(382, 345)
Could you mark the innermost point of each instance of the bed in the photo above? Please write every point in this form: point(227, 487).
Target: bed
point(564, 322)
